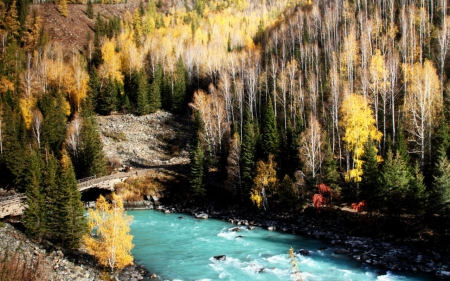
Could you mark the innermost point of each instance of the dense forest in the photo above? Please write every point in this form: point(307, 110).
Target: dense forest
point(289, 102)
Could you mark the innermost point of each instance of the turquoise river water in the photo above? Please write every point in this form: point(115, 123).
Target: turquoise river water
point(183, 249)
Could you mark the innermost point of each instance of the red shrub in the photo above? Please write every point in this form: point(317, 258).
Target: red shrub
point(359, 207)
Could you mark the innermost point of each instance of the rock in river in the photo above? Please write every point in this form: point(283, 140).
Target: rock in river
point(220, 257)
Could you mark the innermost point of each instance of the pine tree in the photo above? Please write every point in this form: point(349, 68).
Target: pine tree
point(330, 175)
point(179, 88)
point(53, 203)
point(154, 98)
point(248, 149)
point(34, 214)
point(90, 10)
point(417, 197)
point(54, 123)
point(142, 90)
point(107, 98)
point(370, 184)
point(14, 148)
point(91, 151)
point(269, 142)
point(396, 178)
point(440, 197)
point(72, 225)
point(197, 172)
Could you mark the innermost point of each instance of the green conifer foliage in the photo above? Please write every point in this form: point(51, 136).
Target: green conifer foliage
point(92, 158)
point(269, 141)
point(371, 190)
point(330, 175)
point(90, 10)
point(396, 179)
point(143, 106)
point(248, 149)
point(54, 123)
point(52, 198)
point(107, 98)
point(34, 221)
point(154, 94)
point(72, 223)
point(417, 197)
point(14, 148)
point(197, 172)
point(179, 87)
point(440, 200)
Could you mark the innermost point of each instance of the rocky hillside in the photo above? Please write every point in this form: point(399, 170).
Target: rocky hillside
point(157, 140)
point(71, 31)
point(45, 262)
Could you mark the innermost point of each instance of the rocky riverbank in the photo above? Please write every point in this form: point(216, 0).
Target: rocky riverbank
point(50, 262)
point(377, 252)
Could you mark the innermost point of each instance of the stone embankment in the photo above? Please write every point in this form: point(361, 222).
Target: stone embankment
point(53, 264)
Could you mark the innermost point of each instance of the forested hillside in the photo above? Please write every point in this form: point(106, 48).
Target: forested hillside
point(289, 101)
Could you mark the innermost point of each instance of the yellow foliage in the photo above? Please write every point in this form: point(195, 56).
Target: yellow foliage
point(359, 125)
point(26, 106)
point(111, 244)
point(6, 85)
point(265, 180)
point(111, 62)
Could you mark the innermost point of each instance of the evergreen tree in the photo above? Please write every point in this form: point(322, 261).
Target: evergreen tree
point(330, 175)
point(72, 223)
point(440, 198)
point(289, 158)
point(396, 179)
point(154, 98)
point(52, 198)
point(14, 151)
point(269, 141)
point(197, 172)
point(400, 145)
point(371, 189)
point(92, 159)
point(417, 197)
point(90, 10)
point(107, 98)
point(142, 90)
point(179, 88)
point(34, 221)
point(248, 149)
point(54, 123)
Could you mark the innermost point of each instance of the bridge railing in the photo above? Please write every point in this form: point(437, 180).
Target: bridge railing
point(86, 179)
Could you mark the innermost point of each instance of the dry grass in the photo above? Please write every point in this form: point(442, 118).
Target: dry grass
point(18, 266)
point(135, 188)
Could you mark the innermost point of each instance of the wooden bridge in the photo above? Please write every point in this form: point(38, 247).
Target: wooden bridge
point(15, 204)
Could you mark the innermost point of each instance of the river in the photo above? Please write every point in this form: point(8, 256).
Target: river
point(180, 247)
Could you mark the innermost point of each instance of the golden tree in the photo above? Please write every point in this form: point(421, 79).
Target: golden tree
point(265, 181)
point(359, 125)
point(111, 244)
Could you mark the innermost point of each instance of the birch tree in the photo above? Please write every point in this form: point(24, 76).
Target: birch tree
point(109, 238)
